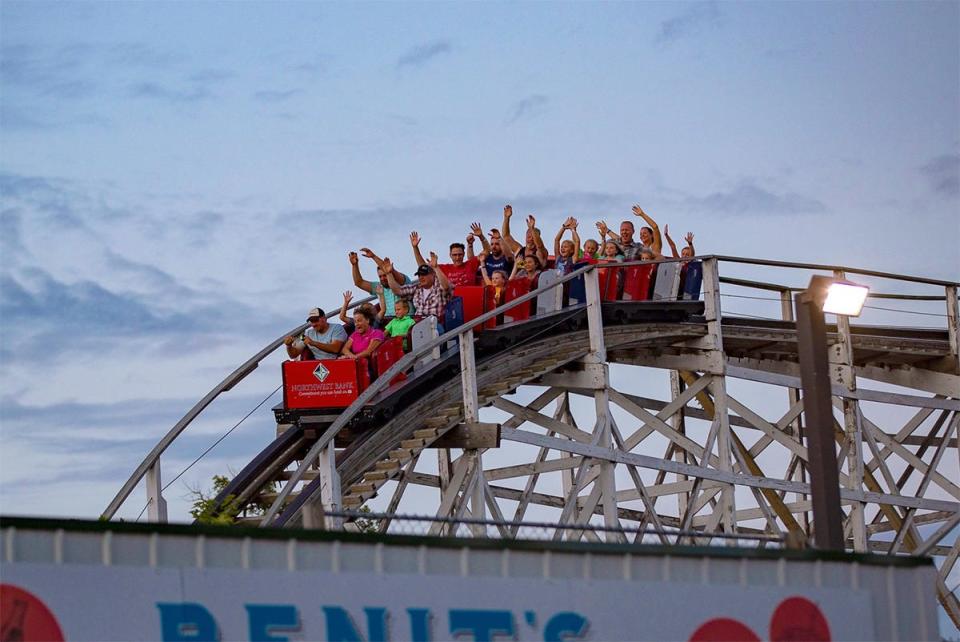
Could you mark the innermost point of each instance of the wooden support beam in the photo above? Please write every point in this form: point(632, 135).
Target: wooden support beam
point(470, 436)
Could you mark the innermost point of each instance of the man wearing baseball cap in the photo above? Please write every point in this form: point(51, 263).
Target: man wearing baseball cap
point(431, 292)
point(324, 340)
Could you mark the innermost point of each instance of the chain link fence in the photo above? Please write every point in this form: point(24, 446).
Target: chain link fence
point(432, 526)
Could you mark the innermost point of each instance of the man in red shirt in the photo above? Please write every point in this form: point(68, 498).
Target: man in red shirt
point(460, 272)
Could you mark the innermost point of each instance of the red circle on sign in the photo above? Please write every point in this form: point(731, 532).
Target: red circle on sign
point(797, 619)
point(724, 629)
point(24, 616)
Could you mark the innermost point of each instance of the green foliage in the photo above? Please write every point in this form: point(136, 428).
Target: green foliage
point(206, 510)
point(367, 525)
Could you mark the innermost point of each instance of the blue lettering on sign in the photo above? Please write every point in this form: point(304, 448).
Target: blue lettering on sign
point(565, 626)
point(340, 626)
point(263, 619)
point(186, 622)
point(480, 624)
point(190, 622)
point(419, 625)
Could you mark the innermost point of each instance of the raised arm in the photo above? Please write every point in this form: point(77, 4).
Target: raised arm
point(689, 239)
point(542, 253)
point(367, 252)
point(576, 238)
point(558, 238)
point(605, 232)
point(477, 231)
point(382, 300)
point(483, 270)
point(347, 296)
point(657, 240)
point(415, 244)
point(673, 246)
point(387, 266)
point(438, 273)
point(358, 279)
point(512, 245)
point(469, 243)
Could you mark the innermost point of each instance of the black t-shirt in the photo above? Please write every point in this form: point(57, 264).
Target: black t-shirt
point(493, 264)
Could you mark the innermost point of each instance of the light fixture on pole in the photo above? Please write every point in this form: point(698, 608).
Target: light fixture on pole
point(823, 294)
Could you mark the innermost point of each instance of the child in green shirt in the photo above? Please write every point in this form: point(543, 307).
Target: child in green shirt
point(400, 325)
point(591, 250)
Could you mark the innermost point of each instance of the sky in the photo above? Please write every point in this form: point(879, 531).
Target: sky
point(181, 182)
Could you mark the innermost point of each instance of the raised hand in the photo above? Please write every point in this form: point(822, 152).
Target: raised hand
point(476, 229)
point(367, 252)
point(354, 259)
point(689, 238)
point(414, 239)
point(482, 257)
point(347, 296)
point(386, 265)
point(531, 222)
point(638, 211)
point(470, 239)
point(666, 229)
point(507, 211)
point(602, 227)
point(573, 223)
point(434, 260)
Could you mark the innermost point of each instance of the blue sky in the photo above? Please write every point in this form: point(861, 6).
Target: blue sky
point(181, 182)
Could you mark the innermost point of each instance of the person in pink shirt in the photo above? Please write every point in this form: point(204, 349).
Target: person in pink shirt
point(365, 339)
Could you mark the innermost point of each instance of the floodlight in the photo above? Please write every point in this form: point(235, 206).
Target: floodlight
point(846, 298)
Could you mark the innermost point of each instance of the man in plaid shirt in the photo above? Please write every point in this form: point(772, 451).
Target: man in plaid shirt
point(431, 292)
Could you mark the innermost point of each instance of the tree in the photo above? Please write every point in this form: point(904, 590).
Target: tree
point(206, 509)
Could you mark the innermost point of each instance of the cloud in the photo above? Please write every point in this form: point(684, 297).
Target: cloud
point(211, 76)
point(130, 54)
point(268, 96)
point(156, 91)
point(529, 107)
point(943, 174)
point(69, 71)
point(461, 209)
point(748, 197)
point(421, 54)
point(691, 22)
point(53, 198)
point(311, 67)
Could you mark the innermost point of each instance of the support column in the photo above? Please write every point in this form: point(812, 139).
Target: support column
point(603, 433)
point(678, 423)
point(953, 325)
point(471, 415)
point(330, 496)
point(793, 396)
point(564, 415)
point(156, 504)
point(852, 426)
point(815, 377)
point(718, 388)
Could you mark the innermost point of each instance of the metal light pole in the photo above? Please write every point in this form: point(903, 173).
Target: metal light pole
point(817, 409)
